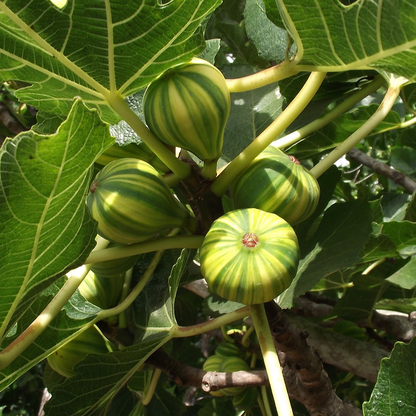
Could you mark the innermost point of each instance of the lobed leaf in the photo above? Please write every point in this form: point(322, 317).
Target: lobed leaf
point(45, 224)
point(95, 50)
point(331, 36)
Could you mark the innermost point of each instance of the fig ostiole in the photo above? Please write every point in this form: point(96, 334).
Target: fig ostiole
point(249, 256)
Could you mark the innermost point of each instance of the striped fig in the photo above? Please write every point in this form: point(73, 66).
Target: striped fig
point(132, 203)
point(246, 399)
point(277, 183)
point(249, 256)
point(229, 365)
point(91, 341)
point(138, 151)
point(213, 363)
point(102, 291)
point(188, 107)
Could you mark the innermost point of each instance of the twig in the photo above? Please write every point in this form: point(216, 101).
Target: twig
point(184, 375)
point(349, 354)
point(383, 169)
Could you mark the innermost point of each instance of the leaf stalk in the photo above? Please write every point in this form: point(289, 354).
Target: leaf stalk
point(361, 133)
point(271, 360)
point(179, 168)
point(164, 243)
point(283, 70)
point(337, 111)
point(242, 161)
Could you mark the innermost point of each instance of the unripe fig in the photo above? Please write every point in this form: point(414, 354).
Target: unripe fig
point(91, 341)
point(137, 151)
point(188, 107)
point(246, 399)
point(102, 291)
point(132, 203)
point(277, 183)
point(229, 365)
point(249, 256)
point(228, 349)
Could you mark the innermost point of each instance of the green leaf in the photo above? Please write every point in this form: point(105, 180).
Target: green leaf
point(378, 247)
point(164, 403)
point(335, 37)
point(270, 40)
point(98, 379)
point(403, 235)
point(358, 301)
point(44, 183)
point(337, 243)
point(66, 325)
point(154, 308)
point(215, 306)
point(227, 23)
point(251, 112)
point(340, 129)
point(395, 391)
point(97, 51)
point(406, 306)
point(406, 276)
point(403, 158)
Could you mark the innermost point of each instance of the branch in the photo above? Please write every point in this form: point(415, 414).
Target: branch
point(306, 379)
point(383, 169)
point(184, 375)
point(401, 326)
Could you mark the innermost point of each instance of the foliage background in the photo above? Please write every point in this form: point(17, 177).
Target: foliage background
point(363, 217)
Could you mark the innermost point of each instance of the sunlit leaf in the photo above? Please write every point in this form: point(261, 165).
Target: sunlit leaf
point(95, 50)
point(45, 224)
point(395, 391)
point(406, 276)
point(75, 315)
point(334, 37)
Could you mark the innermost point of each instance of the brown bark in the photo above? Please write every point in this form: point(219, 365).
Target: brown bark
point(383, 169)
point(305, 377)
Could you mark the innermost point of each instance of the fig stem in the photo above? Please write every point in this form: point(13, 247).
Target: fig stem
point(362, 132)
point(283, 70)
point(106, 313)
point(163, 243)
point(122, 320)
point(337, 111)
point(271, 360)
point(198, 329)
point(32, 332)
point(152, 386)
point(242, 161)
point(209, 170)
point(179, 168)
point(265, 401)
